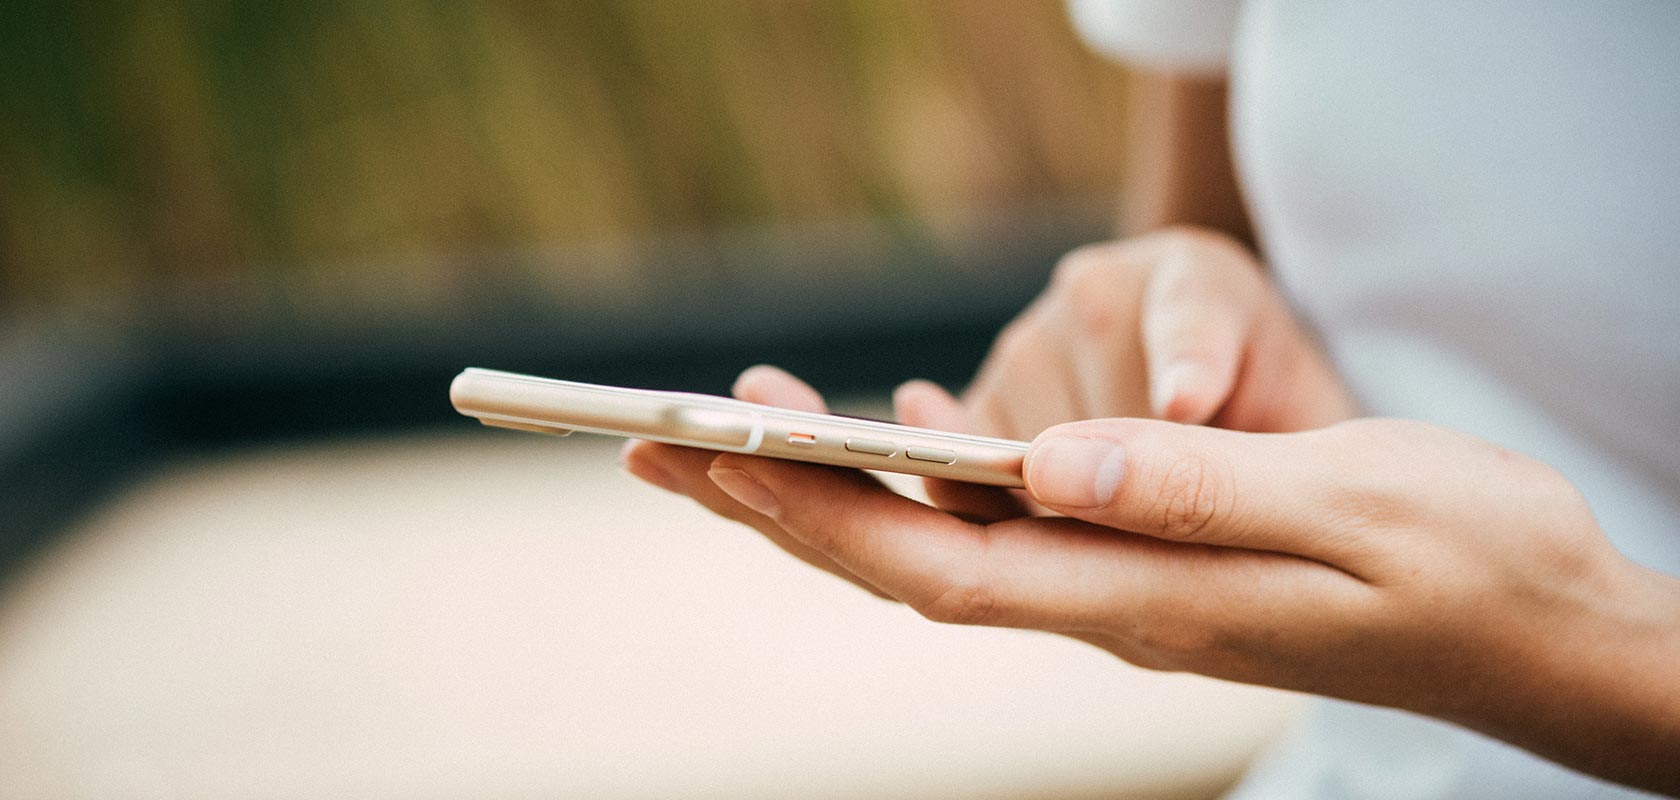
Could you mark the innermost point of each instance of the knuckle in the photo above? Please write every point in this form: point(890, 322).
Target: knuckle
point(1090, 282)
point(1355, 489)
point(1093, 268)
point(1193, 497)
point(1082, 267)
point(1570, 559)
point(968, 602)
point(1546, 481)
point(1363, 505)
point(1175, 646)
point(1557, 540)
point(1098, 313)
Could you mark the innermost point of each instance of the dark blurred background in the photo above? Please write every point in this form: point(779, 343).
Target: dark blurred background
point(223, 223)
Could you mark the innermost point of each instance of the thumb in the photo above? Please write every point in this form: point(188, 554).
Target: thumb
point(1187, 483)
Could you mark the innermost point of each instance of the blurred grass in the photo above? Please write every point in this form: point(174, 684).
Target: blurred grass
point(309, 146)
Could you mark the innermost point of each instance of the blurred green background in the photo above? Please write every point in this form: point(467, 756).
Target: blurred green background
point(377, 154)
point(229, 222)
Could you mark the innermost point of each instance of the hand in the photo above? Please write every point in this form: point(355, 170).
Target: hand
point(1379, 561)
point(1180, 324)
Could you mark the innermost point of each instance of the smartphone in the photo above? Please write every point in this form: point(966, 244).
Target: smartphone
point(543, 405)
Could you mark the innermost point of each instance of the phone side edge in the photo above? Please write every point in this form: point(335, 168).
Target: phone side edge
point(841, 441)
point(514, 401)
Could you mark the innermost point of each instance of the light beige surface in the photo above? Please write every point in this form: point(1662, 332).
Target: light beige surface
point(493, 614)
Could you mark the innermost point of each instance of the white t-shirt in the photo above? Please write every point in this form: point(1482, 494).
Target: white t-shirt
point(1478, 206)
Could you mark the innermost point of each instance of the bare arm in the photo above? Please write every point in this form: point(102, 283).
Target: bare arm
point(1182, 172)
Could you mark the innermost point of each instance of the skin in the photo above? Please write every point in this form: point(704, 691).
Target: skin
point(1182, 171)
point(1218, 509)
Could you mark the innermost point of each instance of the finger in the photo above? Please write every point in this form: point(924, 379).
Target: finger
point(1196, 322)
point(925, 405)
point(1052, 574)
point(1110, 376)
point(1098, 291)
point(683, 470)
point(1192, 484)
point(645, 460)
point(1024, 355)
point(665, 466)
point(1287, 381)
point(948, 569)
point(772, 386)
point(991, 413)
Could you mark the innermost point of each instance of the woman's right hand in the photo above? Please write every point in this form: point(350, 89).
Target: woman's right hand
point(1181, 325)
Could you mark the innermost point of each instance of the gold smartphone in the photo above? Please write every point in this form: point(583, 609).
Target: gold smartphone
point(543, 405)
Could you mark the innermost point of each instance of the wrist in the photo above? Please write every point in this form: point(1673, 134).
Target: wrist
point(1596, 688)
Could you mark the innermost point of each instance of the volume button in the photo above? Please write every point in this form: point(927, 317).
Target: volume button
point(874, 447)
point(933, 454)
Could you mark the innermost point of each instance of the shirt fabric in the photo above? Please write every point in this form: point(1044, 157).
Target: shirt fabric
point(1477, 205)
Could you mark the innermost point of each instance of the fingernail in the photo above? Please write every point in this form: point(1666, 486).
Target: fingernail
point(1076, 472)
point(1172, 381)
point(745, 490)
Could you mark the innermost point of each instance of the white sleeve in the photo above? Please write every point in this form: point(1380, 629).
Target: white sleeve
point(1172, 35)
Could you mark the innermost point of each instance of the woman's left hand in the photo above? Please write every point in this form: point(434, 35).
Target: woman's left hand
point(1381, 561)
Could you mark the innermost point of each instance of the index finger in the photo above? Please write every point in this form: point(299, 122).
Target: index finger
point(1051, 574)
